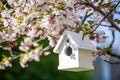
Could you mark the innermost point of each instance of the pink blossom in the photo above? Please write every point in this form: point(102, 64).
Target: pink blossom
point(51, 21)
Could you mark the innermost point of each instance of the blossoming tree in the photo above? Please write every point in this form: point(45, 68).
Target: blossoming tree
point(25, 24)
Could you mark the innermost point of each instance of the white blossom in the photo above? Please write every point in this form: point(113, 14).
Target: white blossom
point(33, 55)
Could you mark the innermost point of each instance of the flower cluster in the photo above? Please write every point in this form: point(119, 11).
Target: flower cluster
point(30, 56)
point(99, 37)
point(35, 20)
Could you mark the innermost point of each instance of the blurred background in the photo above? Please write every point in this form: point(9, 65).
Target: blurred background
point(46, 69)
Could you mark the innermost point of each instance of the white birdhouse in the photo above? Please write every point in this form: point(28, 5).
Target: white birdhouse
point(75, 54)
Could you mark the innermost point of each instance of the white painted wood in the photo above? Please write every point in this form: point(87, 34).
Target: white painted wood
point(75, 54)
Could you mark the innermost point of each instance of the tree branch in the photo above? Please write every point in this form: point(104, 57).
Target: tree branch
point(106, 16)
point(11, 53)
point(111, 55)
point(113, 35)
point(112, 62)
point(98, 24)
point(15, 57)
point(86, 16)
point(35, 18)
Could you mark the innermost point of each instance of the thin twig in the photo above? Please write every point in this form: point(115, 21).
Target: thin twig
point(11, 53)
point(113, 37)
point(98, 25)
point(112, 62)
point(86, 16)
point(33, 20)
point(105, 25)
point(15, 57)
point(100, 11)
point(105, 16)
point(111, 55)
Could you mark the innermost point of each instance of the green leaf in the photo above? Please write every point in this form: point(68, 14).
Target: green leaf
point(107, 5)
point(49, 11)
point(80, 17)
point(60, 6)
point(98, 48)
point(84, 35)
point(1, 5)
point(19, 19)
point(79, 29)
point(25, 13)
point(117, 20)
point(36, 10)
point(86, 27)
point(4, 58)
point(90, 22)
point(13, 14)
point(42, 15)
point(107, 49)
point(0, 19)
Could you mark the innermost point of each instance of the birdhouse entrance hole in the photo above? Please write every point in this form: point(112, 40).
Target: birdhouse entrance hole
point(68, 51)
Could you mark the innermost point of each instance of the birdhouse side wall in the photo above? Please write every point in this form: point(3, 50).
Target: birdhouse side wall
point(85, 59)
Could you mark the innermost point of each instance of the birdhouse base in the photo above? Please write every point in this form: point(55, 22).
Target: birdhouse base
point(75, 69)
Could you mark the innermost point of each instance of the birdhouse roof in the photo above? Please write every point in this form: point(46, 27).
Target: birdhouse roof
point(76, 41)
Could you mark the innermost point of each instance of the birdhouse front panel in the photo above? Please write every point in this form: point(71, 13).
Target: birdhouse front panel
point(68, 57)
